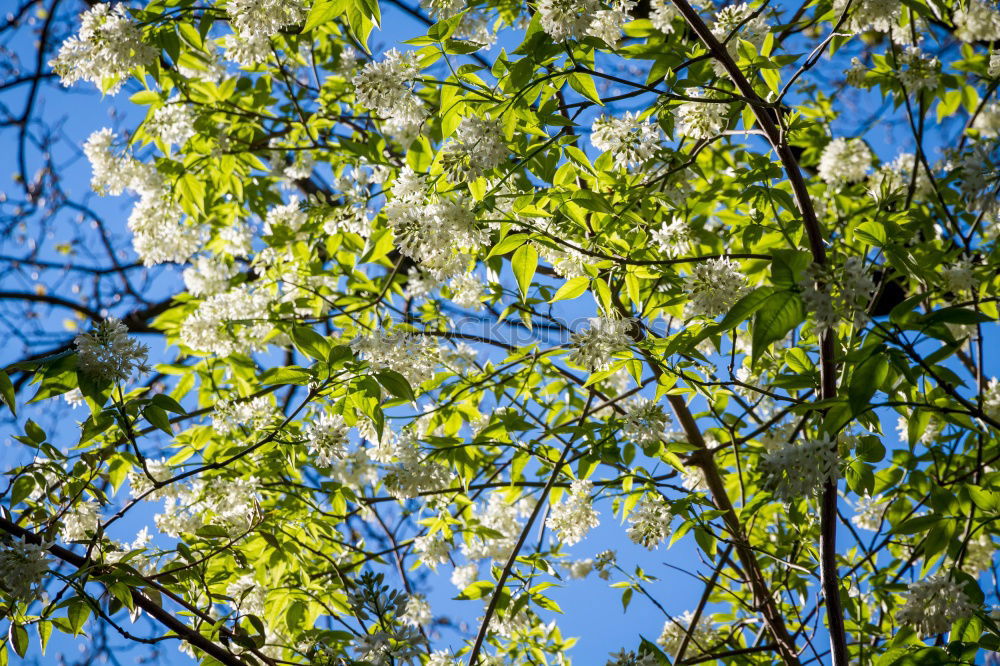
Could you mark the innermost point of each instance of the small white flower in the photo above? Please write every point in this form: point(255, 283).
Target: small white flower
point(798, 470)
point(959, 278)
point(23, 566)
point(644, 422)
point(650, 521)
point(418, 611)
point(596, 346)
point(869, 511)
point(81, 521)
point(932, 605)
point(714, 286)
point(977, 21)
point(580, 569)
point(327, 435)
point(108, 353)
point(844, 161)
point(575, 515)
point(700, 120)
point(991, 400)
point(465, 575)
point(631, 142)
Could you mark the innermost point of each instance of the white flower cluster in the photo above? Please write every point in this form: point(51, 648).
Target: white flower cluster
point(411, 355)
point(714, 286)
point(844, 161)
point(229, 416)
point(385, 88)
point(230, 503)
point(703, 636)
point(865, 15)
point(23, 566)
point(869, 511)
point(650, 521)
point(673, 238)
point(108, 353)
point(644, 422)
point(327, 438)
point(467, 291)
point(433, 549)
point(631, 142)
point(254, 23)
point(248, 597)
point(700, 120)
point(107, 48)
point(409, 472)
point(991, 399)
point(575, 515)
point(208, 275)
point(139, 483)
point(976, 170)
point(474, 26)
point(831, 297)
point(894, 178)
point(596, 346)
point(736, 20)
point(564, 20)
point(500, 517)
point(159, 233)
point(579, 569)
point(800, 469)
point(417, 611)
point(81, 521)
point(235, 321)
point(478, 147)
point(662, 14)
point(994, 67)
point(958, 277)
point(607, 24)
point(932, 605)
point(432, 232)
point(987, 122)
point(979, 554)
point(172, 123)
point(917, 71)
point(977, 21)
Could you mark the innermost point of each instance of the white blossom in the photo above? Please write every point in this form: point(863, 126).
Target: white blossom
point(596, 346)
point(714, 286)
point(465, 575)
point(478, 146)
point(632, 142)
point(650, 521)
point(703, 636)
point(662, 14)
point(433, 549)
point(800, 469)
point(139, 483)
point(235, 321)
point(564, 20)
point(575, 515)
point(172, 123)
point(917, 71)
point(252, 18)
point(208, 275)
point(107, 352)
point(994, 67)
point(991, 399)
point(979, 554)
point(467, 291)
point(579, 569)
point(81, 521)
point(673, 238)
point(107, 48)
point(894, 178)
point(247, 51)
point(864, 15)
point(644, 421)
point(958, 277)
point(987, 121)
point(844, 161)
point(736, 19)
point(411, 355)
point(327, 438)
point(384, 86)
point(503, 518)
point(700, 120)
point(23, 566)
point(417, 611)
point(932, 605)
point(869, 511)
point(977, 21)
point(607, 24)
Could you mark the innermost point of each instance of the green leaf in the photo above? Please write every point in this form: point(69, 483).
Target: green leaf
point(872, 233)
point(954, 316)
point(291, 374)
point(916, 524)
point(866, 380)
point(164, 401)
point(524, 262)
point(508, 244)
point(34, 431)
point(787, 266)
point(780, 313)
point(323, 11)
point(18, 638)
point(584, 84)
point(7, 393)
point(44, 632)
point(477, 590)
point(396, 384)
point(745, 307)
point(77, 613)
point(310, 343)
point(158, 418)
point(571, 289)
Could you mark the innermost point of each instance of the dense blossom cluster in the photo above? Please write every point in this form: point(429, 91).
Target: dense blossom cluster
point(644, 422)
point(478, 147)
point(23, 566)
point(703, 635)
point(932, 605)
point(327, 438)
point(800, 469)
point(650, 521)
point(575, 515)
point(714, 286)
point(109, 353)
point(632, 142)
point(230, 322)
point(833, 296)
point(700, 120)
point(385, 88)
point(104, 52)
point(844, 161)
point(596, 346)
